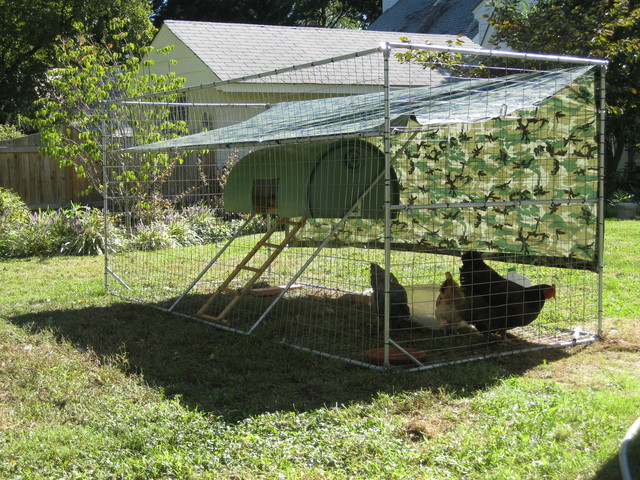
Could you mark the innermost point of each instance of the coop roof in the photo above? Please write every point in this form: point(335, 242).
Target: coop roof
point(457, 102)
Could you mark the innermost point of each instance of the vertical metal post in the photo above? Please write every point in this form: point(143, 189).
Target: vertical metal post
point(387, 203)
point(601, 113)
point(105, 204)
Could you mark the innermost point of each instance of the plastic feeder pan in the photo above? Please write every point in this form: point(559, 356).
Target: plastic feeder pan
point(396, 357)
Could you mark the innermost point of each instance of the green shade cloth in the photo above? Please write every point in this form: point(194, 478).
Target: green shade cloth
point(458, 101)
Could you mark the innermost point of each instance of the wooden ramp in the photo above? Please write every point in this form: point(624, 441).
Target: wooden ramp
point(264, 242)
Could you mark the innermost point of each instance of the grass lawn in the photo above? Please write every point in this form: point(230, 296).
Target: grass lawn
point(91, 387)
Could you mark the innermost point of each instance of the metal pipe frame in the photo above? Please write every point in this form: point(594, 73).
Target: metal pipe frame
point(513, 203)
point(571, 343)
point(601, 172)
point(387, 205)
point(387, 46)
point(194, 104)
point(499, 53)
point(386, 49)
point(256, 76)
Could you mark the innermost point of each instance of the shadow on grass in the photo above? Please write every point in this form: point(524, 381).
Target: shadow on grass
point(610, 470)
point(236, 376)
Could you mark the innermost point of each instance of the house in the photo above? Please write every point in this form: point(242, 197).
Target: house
point(469, 18)
point(209, 51)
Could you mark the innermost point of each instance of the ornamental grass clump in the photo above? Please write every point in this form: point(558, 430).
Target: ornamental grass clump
point(77, 230)
point(84, 232)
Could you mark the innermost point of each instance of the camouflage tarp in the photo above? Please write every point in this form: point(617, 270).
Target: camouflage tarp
point(546, 153)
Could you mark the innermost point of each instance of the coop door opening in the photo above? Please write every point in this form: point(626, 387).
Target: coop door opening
point(264, 195)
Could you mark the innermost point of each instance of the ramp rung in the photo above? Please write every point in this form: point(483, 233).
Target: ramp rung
point(251, 269)
point(286, 221)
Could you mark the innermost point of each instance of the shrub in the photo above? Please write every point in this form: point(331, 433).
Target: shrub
point(258, 225)
point(12, 209)
point(152, 237)
point(203, 221)
point(42, 234)
point(84, 232)
point(210, 226)
point(182, 233)
point(7, 132)
point(79, 230)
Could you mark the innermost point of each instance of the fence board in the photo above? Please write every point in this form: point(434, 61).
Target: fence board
point(38, 179)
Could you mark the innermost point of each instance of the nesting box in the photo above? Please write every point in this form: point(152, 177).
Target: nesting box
point(316, 180)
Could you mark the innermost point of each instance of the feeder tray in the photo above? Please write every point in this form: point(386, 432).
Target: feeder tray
point(396, 357)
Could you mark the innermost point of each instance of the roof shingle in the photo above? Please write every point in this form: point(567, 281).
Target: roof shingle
point(452, 17)
point(233, 50)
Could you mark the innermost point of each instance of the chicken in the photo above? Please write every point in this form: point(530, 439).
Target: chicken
point(495, 304)
point(450, 303)
point(398, 308)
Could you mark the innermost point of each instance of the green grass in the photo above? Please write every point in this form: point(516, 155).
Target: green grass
point(91, 387)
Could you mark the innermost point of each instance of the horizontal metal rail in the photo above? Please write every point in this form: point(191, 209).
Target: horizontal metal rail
point(194, 104)
point(385, 46)
point(572, 343)
point(265, 143)
point(498, 53)
point(511, 203)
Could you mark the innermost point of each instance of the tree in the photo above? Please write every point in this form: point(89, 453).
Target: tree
point(28, 32)
point(323, 13)
point(589, 28)
point(78, 118)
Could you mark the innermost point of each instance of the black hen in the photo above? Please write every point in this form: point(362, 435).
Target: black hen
point(495, 304)
point(399, 308)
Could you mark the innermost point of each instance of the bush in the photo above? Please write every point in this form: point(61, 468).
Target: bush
point(204, 222)
point(83, 232)
point(258, 225)
point(210, 226)
point(79, 230)
point(42, 234)
point(7, 132)
point(14, 215)
point(152, 237)
point(12, 209)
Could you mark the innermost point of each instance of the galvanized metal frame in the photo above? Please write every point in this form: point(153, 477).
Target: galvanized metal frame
point(386, 49)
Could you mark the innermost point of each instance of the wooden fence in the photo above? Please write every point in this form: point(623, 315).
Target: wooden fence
point(38, 179)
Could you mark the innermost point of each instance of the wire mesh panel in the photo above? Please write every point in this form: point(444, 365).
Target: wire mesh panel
point(401, 206)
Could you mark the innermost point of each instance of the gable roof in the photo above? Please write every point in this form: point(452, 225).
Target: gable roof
point(233, 50)
point(452, 17)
